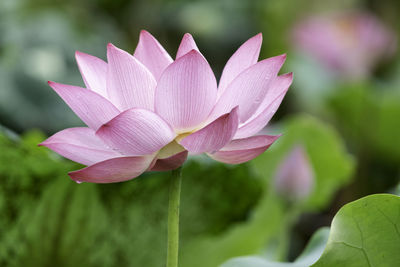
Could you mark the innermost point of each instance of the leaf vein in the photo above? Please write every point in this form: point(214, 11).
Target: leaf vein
point(387, 217)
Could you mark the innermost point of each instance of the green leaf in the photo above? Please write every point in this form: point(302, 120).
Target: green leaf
point(365, 232)
point(310, 254)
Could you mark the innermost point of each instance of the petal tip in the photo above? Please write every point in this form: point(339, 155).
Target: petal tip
point(258, 36)
point(73, 177)
point(111, 46)
point(187, 35)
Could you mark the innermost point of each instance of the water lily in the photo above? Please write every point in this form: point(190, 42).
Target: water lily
point(146, 111)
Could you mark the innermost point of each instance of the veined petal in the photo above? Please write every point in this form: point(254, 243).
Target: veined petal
point(92, 108)
point(244, 57)
point(242, 150)
point(171, 163)
point(214, 136)
point(136, 132)
point(93, 71)
point(249, 88)
point(186, 92)
point(268, 107)
point(152, 54)
point(113, 170)
point(81, 145)
point(187, 44)
point(129, 83)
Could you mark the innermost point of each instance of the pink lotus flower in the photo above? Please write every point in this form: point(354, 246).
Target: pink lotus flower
point(349, 43)
point(146, 111)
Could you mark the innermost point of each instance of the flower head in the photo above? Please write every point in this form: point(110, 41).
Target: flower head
point(147, 111)
point(349, 43)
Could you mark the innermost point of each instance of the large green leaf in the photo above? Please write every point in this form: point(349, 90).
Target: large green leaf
point(365, 232)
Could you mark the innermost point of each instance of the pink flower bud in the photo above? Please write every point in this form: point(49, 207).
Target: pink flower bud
point(294, 178)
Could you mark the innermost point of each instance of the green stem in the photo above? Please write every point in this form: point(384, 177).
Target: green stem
point(173, 218)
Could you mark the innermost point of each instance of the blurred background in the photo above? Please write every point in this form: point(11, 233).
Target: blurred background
point(340, 119)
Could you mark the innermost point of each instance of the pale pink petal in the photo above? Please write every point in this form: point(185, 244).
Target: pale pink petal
point(152, 54)
point(170, 163)
point(92, 108)
point(112, 170)
point(214, 136)
point(268, 107)
point(244, 57)
point(187, 44)
point(186, 92)
point(136, 132)
point(249, 88)
point(93, 71)
point(242, 150)
point(129, 83)
point(81, 145)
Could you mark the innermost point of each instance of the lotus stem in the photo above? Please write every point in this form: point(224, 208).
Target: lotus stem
point(173, 218)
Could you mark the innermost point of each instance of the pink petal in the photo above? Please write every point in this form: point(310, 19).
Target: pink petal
point(170, 163)
point(268, 107)
point(81, 145)
point(214, 136)
point(244, 57)
point(249, 88)
point(93, 71)
point(112, 170)
point(242, 150)
point(91, 107)
point(152, 54)
point(187, 44)
point(136, 132)
point(129, 83)
point(186, 92)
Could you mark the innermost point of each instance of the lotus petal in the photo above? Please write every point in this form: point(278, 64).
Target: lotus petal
point(186, 92)
point(136, 132)
point(214, 136)
point(244, 57)
point(152, 54)
point(249, 88)
point(242, 150)
point(129, 83)
point(113, 170)
point(93, 71)
point(81, 145)
point(92, 108)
